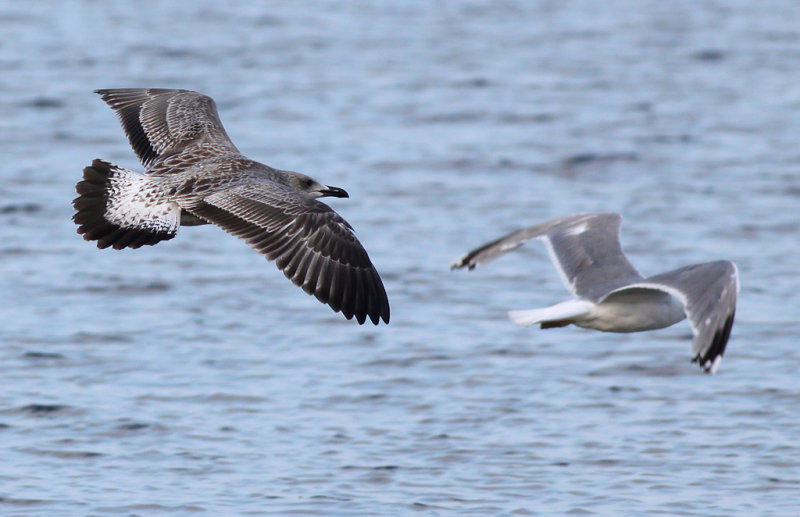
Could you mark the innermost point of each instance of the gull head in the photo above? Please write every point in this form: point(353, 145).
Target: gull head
point(313, 188)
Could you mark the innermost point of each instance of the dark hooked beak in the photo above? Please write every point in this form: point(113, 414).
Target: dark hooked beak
point(334, 192)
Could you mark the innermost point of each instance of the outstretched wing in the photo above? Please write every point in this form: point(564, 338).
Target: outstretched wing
point(499, 247)
point(313, 246)
point(160, 123)
point(584, 248)
point(708, 292)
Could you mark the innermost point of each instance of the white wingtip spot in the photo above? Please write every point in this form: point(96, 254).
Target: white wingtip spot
point(577, 229)
point(715, 365)
point(458, 262)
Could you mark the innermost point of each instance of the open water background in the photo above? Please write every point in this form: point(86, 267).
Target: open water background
point(193, 378)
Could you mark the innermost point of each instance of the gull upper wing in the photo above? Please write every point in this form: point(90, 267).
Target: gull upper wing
point(313, 246)
point(584, 248)
point(160, 123)
point(708, 292)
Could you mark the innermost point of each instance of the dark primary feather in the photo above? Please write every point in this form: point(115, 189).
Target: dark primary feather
point(717, 346)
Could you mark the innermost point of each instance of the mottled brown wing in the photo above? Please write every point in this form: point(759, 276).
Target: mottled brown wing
point(161, 123)
point(313, 246)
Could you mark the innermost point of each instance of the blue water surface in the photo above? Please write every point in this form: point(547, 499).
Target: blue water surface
point(193, 378)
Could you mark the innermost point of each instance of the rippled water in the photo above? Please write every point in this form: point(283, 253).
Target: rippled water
point(193, 377)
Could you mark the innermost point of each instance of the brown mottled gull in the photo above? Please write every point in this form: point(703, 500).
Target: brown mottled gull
point(195, 175)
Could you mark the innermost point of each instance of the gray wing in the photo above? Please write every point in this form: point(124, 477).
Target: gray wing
point(584, 248)
point(708, 292)
point(501, 246)
point(161, 123)
point(313, 246)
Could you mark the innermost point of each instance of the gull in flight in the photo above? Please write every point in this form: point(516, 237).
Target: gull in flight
point(195, 175)
point(612, 296)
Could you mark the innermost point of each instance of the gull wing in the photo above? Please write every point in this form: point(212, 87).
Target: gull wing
point(584, 248)
point(708, 292)
point(313, 246)
point(160, 123)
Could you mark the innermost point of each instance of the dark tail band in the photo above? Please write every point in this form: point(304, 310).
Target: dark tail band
point(91, 209)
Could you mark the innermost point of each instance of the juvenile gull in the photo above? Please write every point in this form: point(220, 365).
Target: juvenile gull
point(195, 175)
point(612, 296)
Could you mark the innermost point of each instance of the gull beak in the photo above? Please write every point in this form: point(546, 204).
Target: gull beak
point(334, 192)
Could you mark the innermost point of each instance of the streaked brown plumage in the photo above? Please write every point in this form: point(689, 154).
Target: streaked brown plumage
point(195, 175)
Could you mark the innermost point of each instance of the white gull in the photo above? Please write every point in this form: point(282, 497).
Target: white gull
point(612, 296)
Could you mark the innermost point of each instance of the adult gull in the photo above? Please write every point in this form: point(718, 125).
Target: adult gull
point(195, 175)
point(612, 296)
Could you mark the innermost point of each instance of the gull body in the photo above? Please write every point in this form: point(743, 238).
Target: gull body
point(195, 175)
point(612, 296)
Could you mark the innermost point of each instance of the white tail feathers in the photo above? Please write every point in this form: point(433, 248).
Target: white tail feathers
point(558, 315)
point(526, 318)
point(116, 208)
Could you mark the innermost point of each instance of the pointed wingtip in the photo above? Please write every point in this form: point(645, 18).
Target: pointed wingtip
point(375, 317)
point(712, 369)
point(709, 366)
point(462, 262)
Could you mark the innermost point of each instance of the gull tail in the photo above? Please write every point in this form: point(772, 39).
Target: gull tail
point(558, 315)
point(115, 208)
